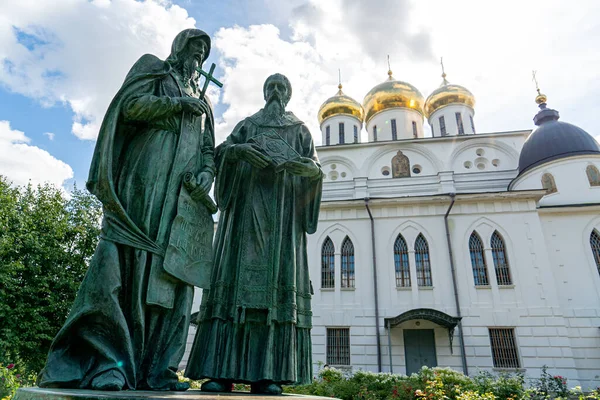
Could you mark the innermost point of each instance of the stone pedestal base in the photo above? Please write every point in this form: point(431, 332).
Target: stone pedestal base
point(80, 394)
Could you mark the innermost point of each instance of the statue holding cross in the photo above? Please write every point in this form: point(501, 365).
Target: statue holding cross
point(152, 169)
point(208, 77)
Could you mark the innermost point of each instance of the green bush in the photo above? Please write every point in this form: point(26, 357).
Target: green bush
point(548, 386)
point(438, 384)
point(503, 386)
point(13, 377)
point(46, 241)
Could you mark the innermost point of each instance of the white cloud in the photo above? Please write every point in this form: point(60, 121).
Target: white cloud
point(49, 135)
point(78, 52)
point(249, 56)
point(23, 163)
point(325, 36)
point(489, 48)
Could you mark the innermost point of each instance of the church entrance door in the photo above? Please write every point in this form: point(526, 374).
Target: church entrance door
point(419, 349)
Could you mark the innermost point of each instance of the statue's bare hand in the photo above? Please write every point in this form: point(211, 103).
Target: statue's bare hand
point(194, 106)
point(205, 181)
point(250, 154)
point(304, 167)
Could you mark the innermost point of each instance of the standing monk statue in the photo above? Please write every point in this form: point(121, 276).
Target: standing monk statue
point(152, 169)
point(254, 322)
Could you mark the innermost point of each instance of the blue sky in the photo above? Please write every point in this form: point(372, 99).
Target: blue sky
point(61, 62)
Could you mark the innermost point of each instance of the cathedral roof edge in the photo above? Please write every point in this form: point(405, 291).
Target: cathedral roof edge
point(524, 195)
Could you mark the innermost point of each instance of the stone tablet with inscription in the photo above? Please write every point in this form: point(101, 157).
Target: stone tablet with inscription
point(189, 253)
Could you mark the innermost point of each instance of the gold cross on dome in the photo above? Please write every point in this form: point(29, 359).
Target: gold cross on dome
point(537, 87)
point(443, 71)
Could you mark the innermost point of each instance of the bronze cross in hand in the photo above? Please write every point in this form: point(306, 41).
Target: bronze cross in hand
point(208, 78)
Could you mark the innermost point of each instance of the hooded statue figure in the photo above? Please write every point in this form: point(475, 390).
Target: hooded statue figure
point(152, 166)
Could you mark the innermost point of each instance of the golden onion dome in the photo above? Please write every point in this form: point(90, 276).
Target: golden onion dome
point(340, 104)
point(448, 94)
point(392, 94)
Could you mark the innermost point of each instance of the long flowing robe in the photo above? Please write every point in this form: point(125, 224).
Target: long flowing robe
point(254, 322)
point(130, 315)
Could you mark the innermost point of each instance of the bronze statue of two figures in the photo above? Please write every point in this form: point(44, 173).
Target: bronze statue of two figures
point(153, 166)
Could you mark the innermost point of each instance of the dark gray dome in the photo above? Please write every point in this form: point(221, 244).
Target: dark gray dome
point(554, 140)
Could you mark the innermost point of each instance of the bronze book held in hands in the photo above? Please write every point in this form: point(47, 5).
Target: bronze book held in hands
point(271, 144)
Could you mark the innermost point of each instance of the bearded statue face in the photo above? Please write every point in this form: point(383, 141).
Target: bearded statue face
point(277, 96)
point(191, 59)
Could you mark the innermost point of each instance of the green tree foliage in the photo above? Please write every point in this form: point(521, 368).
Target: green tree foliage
point(46, 241)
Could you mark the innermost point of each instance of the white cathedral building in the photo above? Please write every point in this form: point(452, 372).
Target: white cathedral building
point(475, 251)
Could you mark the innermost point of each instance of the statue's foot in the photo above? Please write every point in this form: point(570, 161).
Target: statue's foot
point(266, 387)
point(179, 386)
point(216, 386)
point(109, 380)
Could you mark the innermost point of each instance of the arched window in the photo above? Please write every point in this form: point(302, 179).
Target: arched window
point(595, 244)
point(548, 183)
point(328, 264)
point(347, 263)
point(422, 261)
point(593, 175)
point(500, 260)
point(480, 274)
point(401, 262)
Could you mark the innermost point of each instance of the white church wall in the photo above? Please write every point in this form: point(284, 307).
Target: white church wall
point(567, 234)
point(449, 114)
point(554, 301)
point(435, 158)
point(531, 305)
point(404, 124)
point(334, 129)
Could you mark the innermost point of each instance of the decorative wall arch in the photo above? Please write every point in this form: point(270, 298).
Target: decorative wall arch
point(338, 168)
point(409, 231)
point(501, 147)
point(485, 227)
point(337, 159)
point(393, 148)
point(410, 236)
point(344, 232)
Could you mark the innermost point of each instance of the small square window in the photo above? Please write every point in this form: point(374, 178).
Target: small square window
point(504, 348)
point(338, 346)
